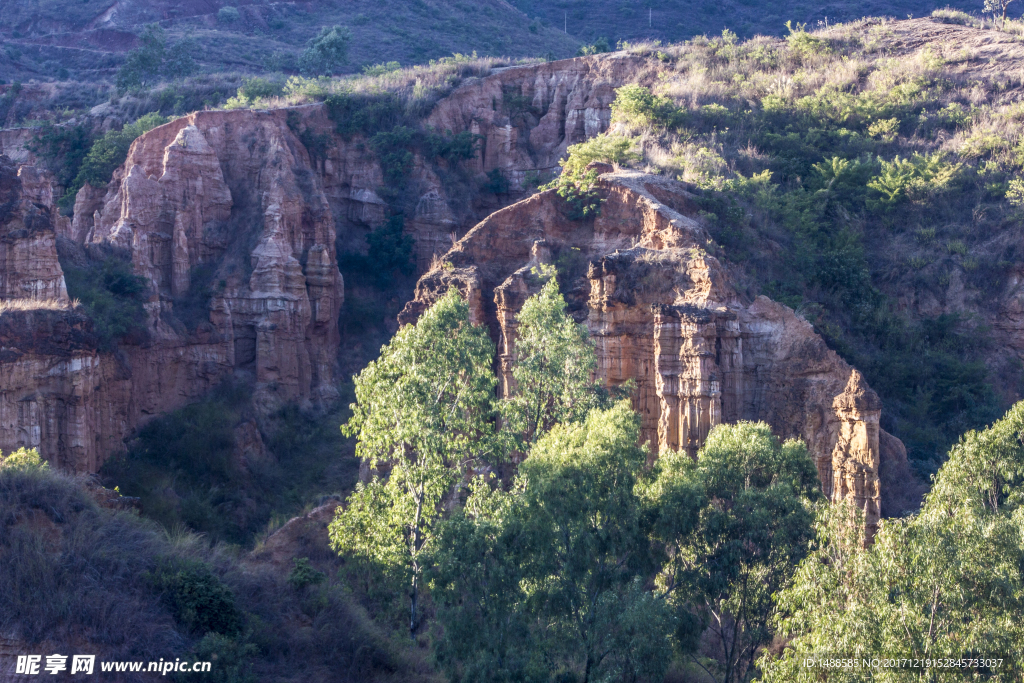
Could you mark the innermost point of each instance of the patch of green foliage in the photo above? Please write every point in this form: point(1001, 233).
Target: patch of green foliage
point(197, 598)
point(112, 295)
point(803, 43)
point(637, 105)
point(389, 253)
point(23, 460)
point(303, 574)
point(253, 90)
point(327, 52)
point(97, 165)
point(110, 151)
point(62, 150)
point(73, 572)
point(364, 114)
point(599, 46)
point(381, 69)
point(184, 468)
point(950, 577)
point(153, 60)
point(576, 185)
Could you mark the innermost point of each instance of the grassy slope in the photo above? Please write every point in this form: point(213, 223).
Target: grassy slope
point(42, 37)
point(74, 576)
point(903, 289)
point(674, 20)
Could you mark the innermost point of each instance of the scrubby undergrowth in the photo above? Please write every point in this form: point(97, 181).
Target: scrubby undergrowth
point(867, 175)
point(75, 577)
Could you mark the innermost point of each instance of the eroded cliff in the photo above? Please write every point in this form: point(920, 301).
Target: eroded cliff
point(235, 220)
point(662, 312)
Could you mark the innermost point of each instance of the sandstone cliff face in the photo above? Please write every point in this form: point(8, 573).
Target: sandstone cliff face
point(227, 205)
point(28, 248)
point(236, 226)
point(662, 312)
point(57, 392)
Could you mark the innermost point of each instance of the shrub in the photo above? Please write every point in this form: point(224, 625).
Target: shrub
point(955, 16)
point(303, 574)
point(381, 69)
point(638, 106)
point(389, 251)
point(228, 15)
point(803, 43)
point(393, 153)
point(111, 150)
point(112, 296)
point(597, 47)
point(197, 598)
point(578, 191)
point(496, 183)
point(604, 147)
point(23, 460)
point(153, 59)
point(357, 113)
point(913, 178)
point(325, 53)
point(451, 148)
point(252, 90)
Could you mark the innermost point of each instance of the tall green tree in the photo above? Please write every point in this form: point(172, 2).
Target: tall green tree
point(553, 371)
point(733, 525)
point(547, 581)
point(946, 582)
point(423, 416)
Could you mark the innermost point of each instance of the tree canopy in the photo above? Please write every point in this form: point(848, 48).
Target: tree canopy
point(423, 417)
point(945, 582)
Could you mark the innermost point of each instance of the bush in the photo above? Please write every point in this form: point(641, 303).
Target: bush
point(152, 59)
point(197, 598)
point(390, 250)
point(381, 69)
point(253, 90)
point(23, 460)
point(327, 52)
point(803, 43)
point(917, 177)
point(360, 114)
point(111, 150)
point(597, 47)
point(112, 296)
point(451, 148)
point(603, 147)
point(228, 15)
point(637, 105)
point(303, 574)
point(393, 153)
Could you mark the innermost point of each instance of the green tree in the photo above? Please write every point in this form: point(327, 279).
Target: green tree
point(946, 582)
point(547, 581)
point(733, 524)
point(153, 58)
point(142, 64)
point(423, 414)
point(552, 372)
point(111, 150)
point(325, 53)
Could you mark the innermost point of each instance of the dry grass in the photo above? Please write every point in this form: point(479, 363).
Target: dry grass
point(417, 86)
point(38, 305)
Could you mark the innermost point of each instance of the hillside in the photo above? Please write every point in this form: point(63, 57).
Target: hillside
point(85, 41)
point(820, 233)
point(675, 20)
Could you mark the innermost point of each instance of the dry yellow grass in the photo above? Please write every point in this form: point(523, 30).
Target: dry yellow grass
point(38, 305)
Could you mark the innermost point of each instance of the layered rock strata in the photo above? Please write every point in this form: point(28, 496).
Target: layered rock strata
point(662, 313)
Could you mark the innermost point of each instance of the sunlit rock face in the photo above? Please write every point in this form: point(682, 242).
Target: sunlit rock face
point(663, 314)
